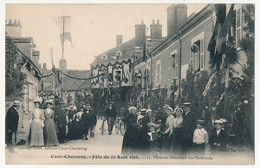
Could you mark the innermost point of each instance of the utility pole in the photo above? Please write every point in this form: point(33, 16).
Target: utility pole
point(63, 27)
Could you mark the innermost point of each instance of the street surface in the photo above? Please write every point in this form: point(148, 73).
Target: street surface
point(99, 146)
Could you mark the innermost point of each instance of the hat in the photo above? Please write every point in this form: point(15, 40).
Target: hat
point(132, 108)
point(143, 111)
point(200, 121)
point(186, 104)
point(179, 109)
point(62, 102)
point(170, 109)
point(217, 122)
point(111, 103)
point(37, 100)
point(223, 120)
point(148, 110)
point(165, 106)
point(151, 124)
point(49, 102)
point(17, 103)
point(67, 108)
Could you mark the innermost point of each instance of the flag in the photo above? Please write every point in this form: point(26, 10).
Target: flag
point(220, 10)
point(64, 24)
point(221, 40)
point(205, 92)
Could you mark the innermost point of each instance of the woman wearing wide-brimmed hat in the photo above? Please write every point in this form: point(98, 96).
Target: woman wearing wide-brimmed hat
point(50, 132)
point(176, 146)
point(37, 124)
point(131, 138)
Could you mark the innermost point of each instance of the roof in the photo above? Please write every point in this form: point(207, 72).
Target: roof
point(23, 40)
point(128, 51)
point(189, 24)
point(125, 48)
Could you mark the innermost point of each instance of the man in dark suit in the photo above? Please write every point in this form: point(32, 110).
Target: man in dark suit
point(188, 127)
point(219, 137)
point(11, 124)
point(61, 122)
point(110, 114)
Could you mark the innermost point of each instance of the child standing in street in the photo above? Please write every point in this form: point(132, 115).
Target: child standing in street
point(200, 138)
point(154, 138)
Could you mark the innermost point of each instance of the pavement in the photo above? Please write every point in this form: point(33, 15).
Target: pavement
point(101, 145)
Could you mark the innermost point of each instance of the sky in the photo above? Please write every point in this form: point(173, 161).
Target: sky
point(93, 27)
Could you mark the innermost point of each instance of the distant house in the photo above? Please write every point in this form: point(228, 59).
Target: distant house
point(115, 68)
point(72, 82)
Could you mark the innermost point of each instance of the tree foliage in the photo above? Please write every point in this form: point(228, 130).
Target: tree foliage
point(14, 78)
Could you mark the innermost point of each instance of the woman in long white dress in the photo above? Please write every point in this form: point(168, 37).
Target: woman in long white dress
point(50, 132)
point(37, 124)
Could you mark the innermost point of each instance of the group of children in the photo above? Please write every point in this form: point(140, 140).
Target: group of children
point(217, 140)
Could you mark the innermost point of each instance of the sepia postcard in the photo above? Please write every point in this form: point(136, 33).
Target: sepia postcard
point(129, 84)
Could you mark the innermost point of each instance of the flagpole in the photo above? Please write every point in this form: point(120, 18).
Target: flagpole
point(53, 76)
point(63, 25)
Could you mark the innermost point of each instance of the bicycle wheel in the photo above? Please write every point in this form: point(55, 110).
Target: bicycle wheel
point(117, 127)
point(122, 128)
point(102, 127)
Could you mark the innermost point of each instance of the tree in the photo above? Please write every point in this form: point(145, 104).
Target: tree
point(242, 88)
point(14, 78)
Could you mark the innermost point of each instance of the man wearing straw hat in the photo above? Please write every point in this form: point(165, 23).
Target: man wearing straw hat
point(11, 124)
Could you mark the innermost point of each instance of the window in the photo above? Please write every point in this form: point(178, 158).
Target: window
point(175, 64)
point(197, 59)
point(117, 75)
point(158, 73)
point(238, 26)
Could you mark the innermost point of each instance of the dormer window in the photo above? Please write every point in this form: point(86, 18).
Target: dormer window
point(104, 57)
point(118, 54)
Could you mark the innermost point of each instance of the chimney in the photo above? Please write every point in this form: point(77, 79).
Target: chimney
point(176, 17)
point(44, 69)
point(119, 39)
point(35, 57)
point(140, 34)
point(156, 30)
point(13, 28)
point(10, 22)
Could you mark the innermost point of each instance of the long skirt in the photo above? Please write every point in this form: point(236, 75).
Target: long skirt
point(131, 141)
point(176, 147)
point(50, 133)
point(166, 144)
point(36, 134)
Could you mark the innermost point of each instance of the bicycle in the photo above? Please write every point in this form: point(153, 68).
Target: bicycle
point(102, 128)
point(120, 126)
point(117, 124)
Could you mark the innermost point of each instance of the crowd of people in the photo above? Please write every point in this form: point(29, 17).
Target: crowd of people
point(53, 124)
point(173, 132)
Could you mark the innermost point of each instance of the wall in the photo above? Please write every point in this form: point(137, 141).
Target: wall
point(168, 74)
point(30, 93)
